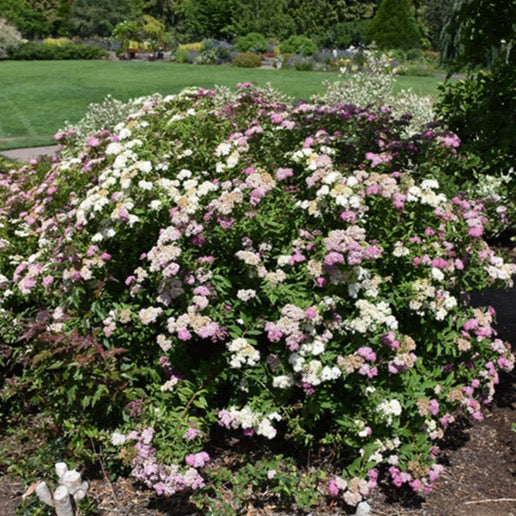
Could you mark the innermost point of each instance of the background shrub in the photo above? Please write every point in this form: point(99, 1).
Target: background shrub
point(36, 51)
point(56, 41)
point(252, 42)
point(372, 85)
point(247, 60)
point(303, 64)
point(186, 56)
point(215, 52)
point(181, 55)
point(298, 45)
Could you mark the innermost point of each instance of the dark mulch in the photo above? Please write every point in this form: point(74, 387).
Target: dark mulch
point(480, 460)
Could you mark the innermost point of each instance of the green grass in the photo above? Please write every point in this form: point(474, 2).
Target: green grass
point(36, 97)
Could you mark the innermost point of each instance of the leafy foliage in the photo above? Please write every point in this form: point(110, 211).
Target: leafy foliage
point(348, 34)
point(97, 18)
point(268, 17)
point(479, 32)
point(481, 110)
point(37, 18)
point(199, 19)
point(432, 15)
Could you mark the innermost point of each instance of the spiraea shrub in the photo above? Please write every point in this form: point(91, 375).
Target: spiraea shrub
point(228, 264)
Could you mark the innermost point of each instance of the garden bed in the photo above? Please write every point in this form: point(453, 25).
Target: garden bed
point(480, 463)
point(478, 481)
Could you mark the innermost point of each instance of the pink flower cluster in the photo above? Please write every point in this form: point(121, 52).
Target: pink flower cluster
point(165, 479)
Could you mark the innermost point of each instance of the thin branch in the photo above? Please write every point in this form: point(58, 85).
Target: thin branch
point(101, 462)
point(490, 500)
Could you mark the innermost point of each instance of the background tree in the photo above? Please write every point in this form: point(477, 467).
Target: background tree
point(395, 26)
point(126, 32)
point(474, 32)
point(481, 109)
point(314, 19)
point(270, 17)
point(163, 10)
point(35, 18)
point(153, 32)
point(432, 15)
point(354, 10)
point(98, 17)
point(200, 19)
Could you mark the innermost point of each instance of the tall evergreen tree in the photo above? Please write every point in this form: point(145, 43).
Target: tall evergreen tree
point(433, 15)
point(394, 25)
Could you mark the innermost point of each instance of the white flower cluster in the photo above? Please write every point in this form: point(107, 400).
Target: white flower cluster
point(499, 270)
point(389, 408)
point(426, 297)
point(364, 282)
point(426, 195)
point(284, 381)
point(371, 316)
point(242, 353)
point(389, 445)
point(246, 295)
point(313, 372)
point(246, 419)
point(149, 315)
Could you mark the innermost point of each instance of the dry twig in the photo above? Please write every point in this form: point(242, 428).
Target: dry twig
point(490, 500)
point(101, 462)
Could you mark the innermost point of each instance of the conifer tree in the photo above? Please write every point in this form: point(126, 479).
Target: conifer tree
point(394, 25)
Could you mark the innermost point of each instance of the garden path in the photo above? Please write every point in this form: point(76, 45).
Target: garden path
point(29, 153)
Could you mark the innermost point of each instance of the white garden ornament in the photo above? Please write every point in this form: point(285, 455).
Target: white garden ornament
point(71, 486)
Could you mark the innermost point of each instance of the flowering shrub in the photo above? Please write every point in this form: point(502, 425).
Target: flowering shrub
point(99, 117)
point(229, 263)
point(373, 85)
point(10, 37)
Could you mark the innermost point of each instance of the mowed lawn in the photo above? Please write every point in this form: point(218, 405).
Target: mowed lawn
point(37, 97)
